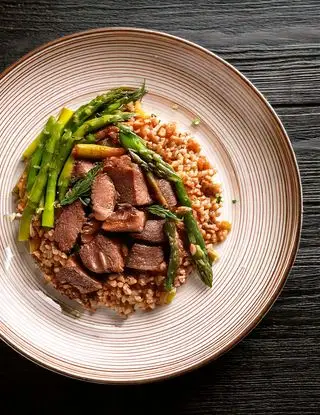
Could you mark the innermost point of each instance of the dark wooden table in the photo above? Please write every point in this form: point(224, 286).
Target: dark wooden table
point(276, 369)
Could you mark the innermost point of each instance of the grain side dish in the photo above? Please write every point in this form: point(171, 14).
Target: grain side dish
point(117, 207)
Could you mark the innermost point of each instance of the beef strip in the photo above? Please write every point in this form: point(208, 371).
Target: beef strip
point(103, 254)
point(107, 135)
point(69, 225)
point(168, 192)
point(128, 180)
point(153, 232)
point(103, 197)
point(146, 258)
point(90, 229)
point(81, 168)
point(73, 274)
point(125, 219)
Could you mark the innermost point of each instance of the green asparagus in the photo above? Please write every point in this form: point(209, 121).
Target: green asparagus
point(156, 164)
point(201, 258)
point(198, 249)
point(35, 158)
point(174, 259)
point(65, 177)
point(131, 96)
point(99, 122)
point(89, 109)
point(38, 187)
point(50, 196)
point(153, 161)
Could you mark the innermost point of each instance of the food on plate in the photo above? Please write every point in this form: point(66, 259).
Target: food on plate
point(118, 208)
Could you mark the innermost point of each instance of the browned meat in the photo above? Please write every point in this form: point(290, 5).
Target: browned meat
point(103, 197)
point(69, 225)
point(125, 219)
point(74, 275)
point(128, 180)
point(168, 192)
point(89, 230)
point(103, 254)
point(108, 134)
point(153, 232)
point(146, 258)
point(81, 168)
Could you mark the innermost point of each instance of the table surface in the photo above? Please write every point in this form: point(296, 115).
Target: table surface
point(276, 44)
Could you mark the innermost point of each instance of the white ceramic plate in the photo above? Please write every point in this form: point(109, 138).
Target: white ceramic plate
point(240, 134)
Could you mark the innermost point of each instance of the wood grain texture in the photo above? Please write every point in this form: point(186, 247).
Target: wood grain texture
point(276, 369)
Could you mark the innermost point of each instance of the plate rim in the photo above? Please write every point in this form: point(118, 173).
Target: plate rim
point(293, 253)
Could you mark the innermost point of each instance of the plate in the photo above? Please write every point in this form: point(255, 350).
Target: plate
point(243, 138)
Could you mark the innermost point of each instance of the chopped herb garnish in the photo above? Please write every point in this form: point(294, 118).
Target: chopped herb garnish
point(82, 187)
point(196, 122)
point(218, 198)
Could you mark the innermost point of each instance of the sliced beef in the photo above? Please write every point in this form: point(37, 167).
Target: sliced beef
point(168, 192)
point(125, 219)
point(153, 232)
point(108, 135)
point(81, 168)
point(128, 180)
point(73, 274)
point(103, 254)
point(89, 230)
point(103, 197)
point(69, 225)
point(146, 258)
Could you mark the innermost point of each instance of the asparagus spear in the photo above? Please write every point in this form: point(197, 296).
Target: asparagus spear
point(32, 146)
point(198, 249)
point(87, 110)
point(36, 155)
point(131, 96)
point(96, 152)
point(174, 259)
point(50, 196)
point(65, 177)
point(197, 244)
point(156, 164)
point(99, 122)
point(39, 184)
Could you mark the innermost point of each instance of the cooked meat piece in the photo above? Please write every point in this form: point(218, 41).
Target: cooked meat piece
point(103, 254)
point(146, 258)
point(109, 134)
point(73, 274)
point(153, 232)
point(125, 219)
point(81, 168)
point(89, 230)
point(128, 180)
point(69, 225)
point(103, 197)
point(168, 192)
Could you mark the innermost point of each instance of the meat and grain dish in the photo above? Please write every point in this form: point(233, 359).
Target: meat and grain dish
point(117, 207)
